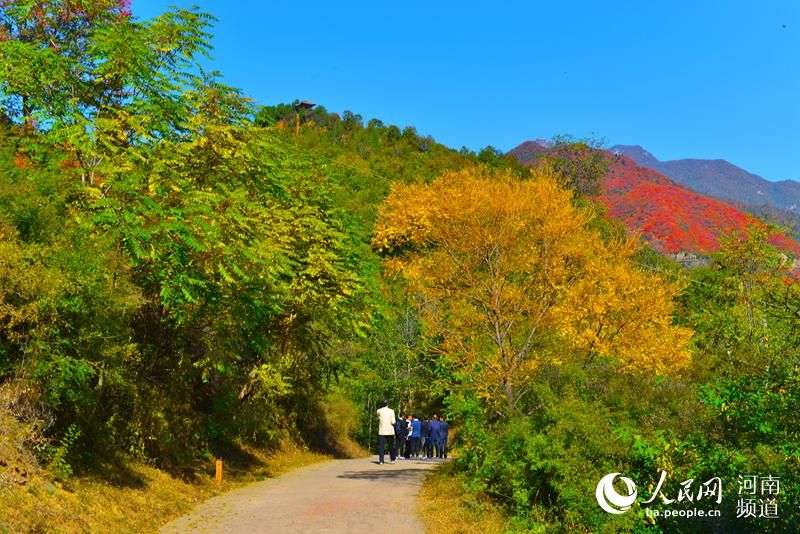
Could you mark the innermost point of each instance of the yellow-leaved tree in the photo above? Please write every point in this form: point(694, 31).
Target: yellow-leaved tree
point(510, 275)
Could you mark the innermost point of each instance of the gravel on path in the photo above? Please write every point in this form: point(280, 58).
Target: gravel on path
point(340, 496)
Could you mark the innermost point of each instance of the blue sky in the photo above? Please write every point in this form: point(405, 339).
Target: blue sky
point(701, 78)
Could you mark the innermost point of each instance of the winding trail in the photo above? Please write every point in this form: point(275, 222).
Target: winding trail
point(340, 496)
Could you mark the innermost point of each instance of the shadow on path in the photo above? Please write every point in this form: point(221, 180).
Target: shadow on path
point(389, 474)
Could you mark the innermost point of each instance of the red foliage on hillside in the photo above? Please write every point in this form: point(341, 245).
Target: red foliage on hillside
point(671, 217)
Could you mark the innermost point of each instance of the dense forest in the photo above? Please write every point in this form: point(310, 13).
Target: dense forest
point(184, 273)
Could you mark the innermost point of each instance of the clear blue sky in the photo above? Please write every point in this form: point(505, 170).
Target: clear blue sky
point(700, 78)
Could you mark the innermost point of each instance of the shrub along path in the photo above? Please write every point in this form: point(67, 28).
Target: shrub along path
point(340, 496)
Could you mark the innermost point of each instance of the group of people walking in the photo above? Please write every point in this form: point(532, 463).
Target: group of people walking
point(409, 437)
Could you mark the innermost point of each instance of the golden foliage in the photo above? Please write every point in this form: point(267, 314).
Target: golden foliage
point(511, 276)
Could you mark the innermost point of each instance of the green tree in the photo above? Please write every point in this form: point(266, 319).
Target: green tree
point(216, 273)
point(94, 80)
point(582, 164)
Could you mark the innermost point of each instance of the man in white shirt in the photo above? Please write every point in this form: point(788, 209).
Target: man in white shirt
point(386, 421)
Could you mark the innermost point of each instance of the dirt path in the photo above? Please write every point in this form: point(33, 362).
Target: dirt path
point(340, 496)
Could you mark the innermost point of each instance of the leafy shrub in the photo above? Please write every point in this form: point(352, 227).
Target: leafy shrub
point(57, 456)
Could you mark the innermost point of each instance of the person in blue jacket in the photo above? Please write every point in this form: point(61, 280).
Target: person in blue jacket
point(416, 434)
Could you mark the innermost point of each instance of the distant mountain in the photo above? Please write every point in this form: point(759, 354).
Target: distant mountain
point(671, 217)
point(529, 150)
point(721, 179)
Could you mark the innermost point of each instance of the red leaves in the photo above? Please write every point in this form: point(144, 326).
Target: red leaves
point(68, 164)
point(671, 217)
point(124, 8)
point(22, 162)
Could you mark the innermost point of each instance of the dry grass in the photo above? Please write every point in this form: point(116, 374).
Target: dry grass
point(126, 496)
point(132, 497)
point(447, 508)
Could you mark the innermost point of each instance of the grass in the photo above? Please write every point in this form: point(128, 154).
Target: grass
point(130, 497)
point(446, 507)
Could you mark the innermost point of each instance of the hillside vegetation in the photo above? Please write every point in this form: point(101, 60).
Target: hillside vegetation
point(671, 217)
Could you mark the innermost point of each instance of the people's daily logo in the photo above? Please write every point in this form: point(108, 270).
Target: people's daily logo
point(610, 500)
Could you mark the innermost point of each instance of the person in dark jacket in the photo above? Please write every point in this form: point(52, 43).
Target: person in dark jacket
point(426, 436)
point(436, 436)
point(408, 437)
point(445, 428)
point(400, 436)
